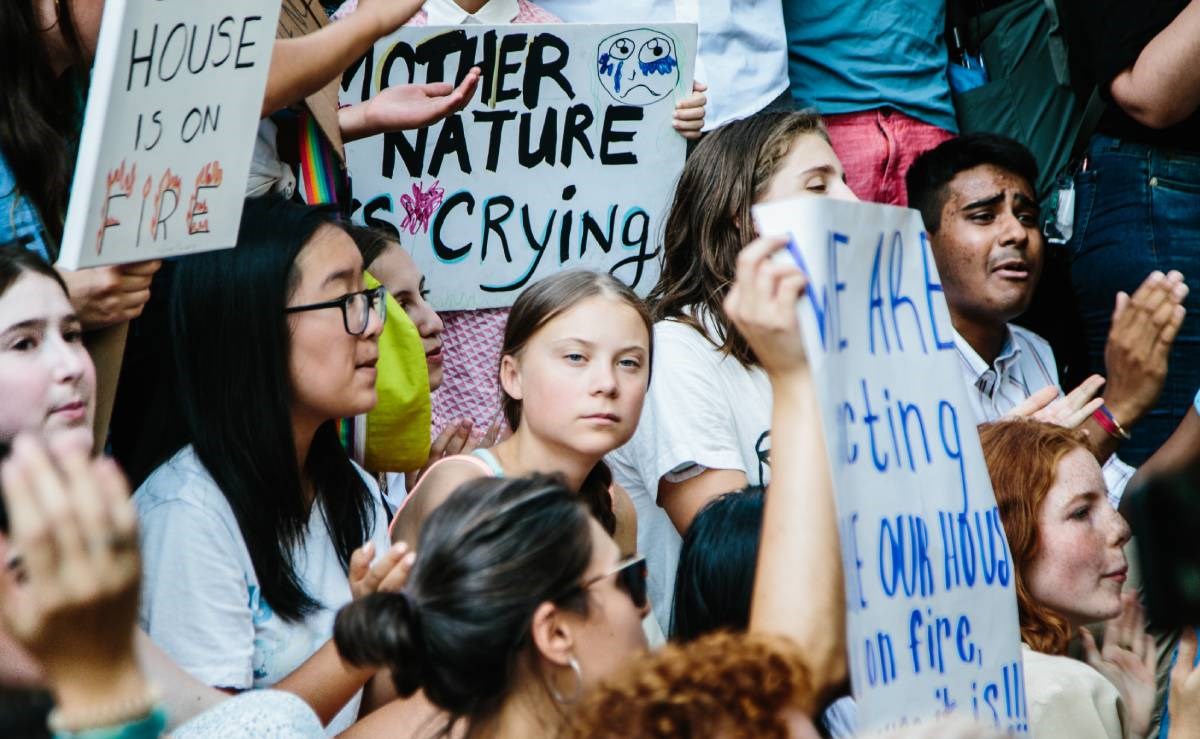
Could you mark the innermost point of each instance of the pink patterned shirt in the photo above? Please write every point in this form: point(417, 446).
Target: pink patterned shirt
point(472, 339)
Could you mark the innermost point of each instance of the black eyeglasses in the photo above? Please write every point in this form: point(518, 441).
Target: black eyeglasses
point(356, 308)
point(631, 575)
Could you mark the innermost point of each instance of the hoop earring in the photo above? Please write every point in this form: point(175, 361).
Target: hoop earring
point(575, 694)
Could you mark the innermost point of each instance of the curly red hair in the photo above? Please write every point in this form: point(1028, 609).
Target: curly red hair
point(1022, 457)
point(739, 684)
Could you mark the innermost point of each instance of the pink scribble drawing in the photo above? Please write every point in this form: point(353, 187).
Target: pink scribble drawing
point(419, 207)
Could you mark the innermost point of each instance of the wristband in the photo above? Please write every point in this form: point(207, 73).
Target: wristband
point(140, 718)
point(1104, 417)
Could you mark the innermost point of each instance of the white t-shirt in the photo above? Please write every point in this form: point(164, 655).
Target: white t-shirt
point(743, 55)
point(201, 600)
point(704, 410)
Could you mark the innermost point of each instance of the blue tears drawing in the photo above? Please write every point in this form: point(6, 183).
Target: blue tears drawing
point(638, 67)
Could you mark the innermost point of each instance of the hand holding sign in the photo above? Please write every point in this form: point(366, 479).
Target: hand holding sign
point(689, 113)
point(762, 304)
point(106, 296)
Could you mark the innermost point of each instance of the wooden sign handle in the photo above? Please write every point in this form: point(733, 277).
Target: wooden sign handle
point(107, 347)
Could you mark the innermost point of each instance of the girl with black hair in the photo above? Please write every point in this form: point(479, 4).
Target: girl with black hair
point(248, 530)
point(716, 566)
point(574, 369)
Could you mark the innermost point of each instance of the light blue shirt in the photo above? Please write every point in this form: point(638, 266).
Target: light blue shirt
point(19, 220)
point(743, 50)
point(847, 57)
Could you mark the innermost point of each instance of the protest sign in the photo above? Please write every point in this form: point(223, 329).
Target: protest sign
point(931, 608)
point(172, 114)
point(564, 158)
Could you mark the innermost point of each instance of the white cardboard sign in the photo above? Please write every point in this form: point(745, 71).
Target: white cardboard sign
point(931, 608)
point(172, 114)
point(564, 158)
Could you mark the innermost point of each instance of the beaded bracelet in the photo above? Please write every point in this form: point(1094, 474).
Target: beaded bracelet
point(1105, 418)
point(141, 718)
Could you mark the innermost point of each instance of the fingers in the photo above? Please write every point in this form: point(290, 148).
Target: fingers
point(395, 580)
point(1185, 659)
point(451, 440)
point(493, 433)
point(141, 269)
point(692, 105)
point(360, 562)
point(698, 86)
point(1034, 403)
point(385, 571)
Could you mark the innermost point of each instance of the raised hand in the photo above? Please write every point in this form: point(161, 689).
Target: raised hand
point(1184, 702)
point(1144, 327)
point(71, 602)
point(1127, 660)
point(762, 304)
point(388, 575)
point(1069, 410)
point(402, 107)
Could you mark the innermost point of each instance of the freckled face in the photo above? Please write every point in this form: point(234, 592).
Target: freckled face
point(1080, 567)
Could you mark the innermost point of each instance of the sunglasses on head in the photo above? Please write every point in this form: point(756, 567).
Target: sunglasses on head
point(631, 575)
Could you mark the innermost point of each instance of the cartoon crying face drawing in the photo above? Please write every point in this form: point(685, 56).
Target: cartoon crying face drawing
point(638, 67)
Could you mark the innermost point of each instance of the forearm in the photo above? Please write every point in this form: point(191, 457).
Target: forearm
point(798, 589)
point(1163, 86)
point(183, 696)
point(303, 65)
point(326, 682)
point(352, 120)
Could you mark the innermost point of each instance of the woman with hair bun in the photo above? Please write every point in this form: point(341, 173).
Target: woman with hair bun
point(519, 601)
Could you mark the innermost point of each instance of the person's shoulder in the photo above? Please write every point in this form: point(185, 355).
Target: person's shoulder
point(446, 475)
point(182, 478)
point(1053, 678)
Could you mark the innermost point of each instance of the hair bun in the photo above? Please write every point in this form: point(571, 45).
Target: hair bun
point(384, 629)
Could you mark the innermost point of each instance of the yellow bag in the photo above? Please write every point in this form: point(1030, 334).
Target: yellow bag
point(394, 435)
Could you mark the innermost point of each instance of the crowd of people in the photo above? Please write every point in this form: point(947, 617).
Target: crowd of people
point(581, 529)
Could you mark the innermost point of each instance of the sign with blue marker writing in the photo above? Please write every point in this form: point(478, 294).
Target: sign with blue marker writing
point(564, 158)
point(172, 114)
point(931, 608)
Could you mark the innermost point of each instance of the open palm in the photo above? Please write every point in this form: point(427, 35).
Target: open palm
point(402, 107)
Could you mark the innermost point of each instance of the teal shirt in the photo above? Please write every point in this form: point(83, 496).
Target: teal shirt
point(847, 56)
point(19, 220)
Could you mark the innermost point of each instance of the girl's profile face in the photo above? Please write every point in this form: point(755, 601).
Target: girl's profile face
point(582, 377)
point(332, 372)
point(47, 379)
point(1080, 567)
point(811, 168)
point(397, 271)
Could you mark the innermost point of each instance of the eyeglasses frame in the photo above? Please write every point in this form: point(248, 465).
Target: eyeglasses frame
point(343, 302)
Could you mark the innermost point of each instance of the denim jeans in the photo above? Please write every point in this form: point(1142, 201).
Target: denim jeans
point(1137, 209)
